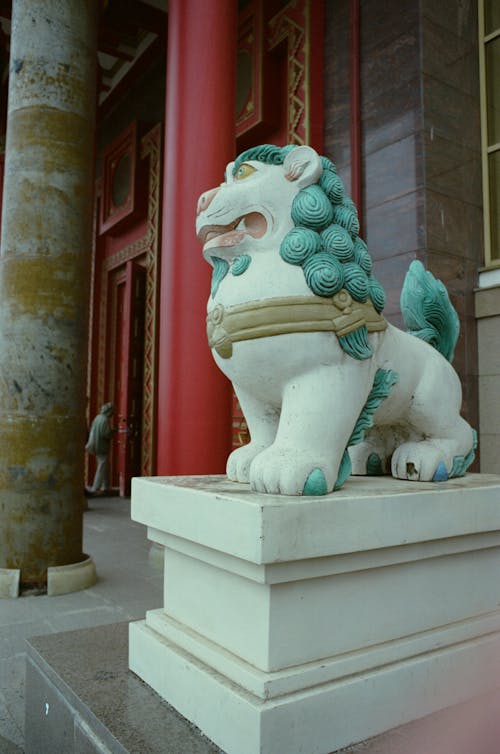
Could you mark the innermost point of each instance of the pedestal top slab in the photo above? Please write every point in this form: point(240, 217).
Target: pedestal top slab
point(368, 513)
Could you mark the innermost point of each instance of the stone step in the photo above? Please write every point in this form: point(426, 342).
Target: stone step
point(81, 698)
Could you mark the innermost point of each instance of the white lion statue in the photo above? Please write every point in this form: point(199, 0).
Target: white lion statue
point(327, 386)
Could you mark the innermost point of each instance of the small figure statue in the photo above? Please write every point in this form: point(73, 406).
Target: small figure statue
point(99, 444)
point(327, 386)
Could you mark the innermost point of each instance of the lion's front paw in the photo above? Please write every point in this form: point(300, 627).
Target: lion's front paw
point(289, 471)
point(238, 463)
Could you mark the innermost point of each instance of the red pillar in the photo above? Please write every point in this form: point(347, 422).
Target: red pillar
point(194, 398)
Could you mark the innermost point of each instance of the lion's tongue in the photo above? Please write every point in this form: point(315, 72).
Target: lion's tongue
point(232, 238)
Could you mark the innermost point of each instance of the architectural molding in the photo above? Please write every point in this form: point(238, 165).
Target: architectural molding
point(147, 246)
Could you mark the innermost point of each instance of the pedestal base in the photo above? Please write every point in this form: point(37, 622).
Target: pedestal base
point(304, 625)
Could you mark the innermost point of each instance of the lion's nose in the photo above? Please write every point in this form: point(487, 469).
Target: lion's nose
point(205, 200)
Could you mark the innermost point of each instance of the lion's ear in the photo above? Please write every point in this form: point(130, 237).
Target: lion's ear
point(303, 165)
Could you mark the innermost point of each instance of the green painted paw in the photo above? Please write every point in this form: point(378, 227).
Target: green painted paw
point(315, 483)
point(374, 465)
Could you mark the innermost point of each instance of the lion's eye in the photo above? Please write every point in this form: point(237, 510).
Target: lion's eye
point(244, 171)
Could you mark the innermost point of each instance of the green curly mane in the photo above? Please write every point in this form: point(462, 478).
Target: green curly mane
point(325, 242)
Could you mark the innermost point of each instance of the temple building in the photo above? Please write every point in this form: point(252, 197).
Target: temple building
point(115, 115)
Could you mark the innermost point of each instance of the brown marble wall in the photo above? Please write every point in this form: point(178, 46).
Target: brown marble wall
point(420, 147)
point(391, 129)
point(337, 109)
point(454, 225)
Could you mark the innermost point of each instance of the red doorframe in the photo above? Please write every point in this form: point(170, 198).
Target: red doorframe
point(116, 339)
point(125, 362)
point(137, 239)
point(129, 374)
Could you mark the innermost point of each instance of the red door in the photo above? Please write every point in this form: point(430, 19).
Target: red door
point(129, 386)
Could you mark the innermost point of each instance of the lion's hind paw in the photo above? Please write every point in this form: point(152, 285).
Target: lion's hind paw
point(368, 459)
point(425, 461)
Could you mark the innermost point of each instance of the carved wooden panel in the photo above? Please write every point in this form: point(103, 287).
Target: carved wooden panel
point(119, 180)
point(298, 25)
point(249, 105)
point(280, 72)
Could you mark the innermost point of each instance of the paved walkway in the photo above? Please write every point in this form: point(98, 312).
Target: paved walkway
point(127, 586)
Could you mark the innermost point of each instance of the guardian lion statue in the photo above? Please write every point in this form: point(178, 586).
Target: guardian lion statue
point(327, 386)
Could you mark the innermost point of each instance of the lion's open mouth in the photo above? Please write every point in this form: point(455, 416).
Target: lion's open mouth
point(254, 224)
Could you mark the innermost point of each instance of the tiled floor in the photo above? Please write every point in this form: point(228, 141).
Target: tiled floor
point(127, 586)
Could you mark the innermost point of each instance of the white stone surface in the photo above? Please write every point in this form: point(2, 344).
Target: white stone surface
point(316, 720)
point(367, 514)
point(284, 617)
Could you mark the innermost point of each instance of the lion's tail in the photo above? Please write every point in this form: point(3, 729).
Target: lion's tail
point(427, 310)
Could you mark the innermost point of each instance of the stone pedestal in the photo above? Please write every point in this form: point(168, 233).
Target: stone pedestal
point(306, 624)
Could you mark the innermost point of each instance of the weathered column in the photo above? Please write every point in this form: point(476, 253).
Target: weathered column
point(44, 276)
point(194, 401)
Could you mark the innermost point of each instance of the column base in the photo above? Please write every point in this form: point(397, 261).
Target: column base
point(60, 579)
point(71, 578)
point(9, 582)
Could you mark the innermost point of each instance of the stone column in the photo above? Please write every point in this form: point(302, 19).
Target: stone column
point(194, 398)
point(44, 282)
